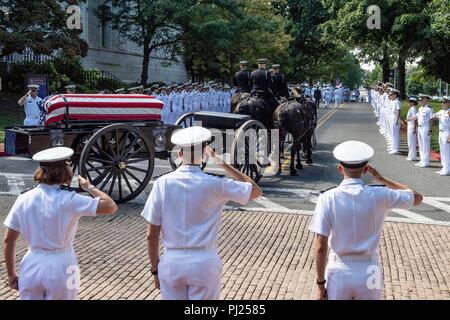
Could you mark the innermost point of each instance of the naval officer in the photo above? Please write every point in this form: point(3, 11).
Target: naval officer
point(185, 205)
point(349, 219)
point(30, 101)
point(47, 217)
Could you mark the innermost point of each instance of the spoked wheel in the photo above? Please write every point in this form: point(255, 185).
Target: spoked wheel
point(185, 121)
point(250, 149)
point(78, 146)
point(119, 160)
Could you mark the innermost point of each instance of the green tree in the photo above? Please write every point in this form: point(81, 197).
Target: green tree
point(309, 49)
point(40, 25)
point(219, 39)
point(418, 81)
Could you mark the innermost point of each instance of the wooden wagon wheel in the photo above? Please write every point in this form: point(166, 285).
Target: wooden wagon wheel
point(119, 160)
point(185, 121)
point(250, 149)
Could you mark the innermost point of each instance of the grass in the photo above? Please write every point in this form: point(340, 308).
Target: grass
point(10, 113)
point(435, 135)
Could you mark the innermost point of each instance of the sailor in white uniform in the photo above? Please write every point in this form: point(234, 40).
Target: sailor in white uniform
point(425, 124)
point(412, 129)
point(394, 107)
point(47, 217)
point(327, 96)
point(190, 267)
point(30, 101)
point(443, 116)
point(349, 219)
point(337, 97)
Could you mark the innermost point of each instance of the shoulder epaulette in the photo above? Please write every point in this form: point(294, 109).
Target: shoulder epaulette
point(323, 191)
point(66, 188)
point(28, 189)
point(376, 185)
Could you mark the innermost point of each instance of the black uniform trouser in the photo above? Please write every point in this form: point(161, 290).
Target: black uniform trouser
point(317, 103)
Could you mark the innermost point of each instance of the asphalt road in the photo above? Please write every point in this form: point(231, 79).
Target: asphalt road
point(354, 121)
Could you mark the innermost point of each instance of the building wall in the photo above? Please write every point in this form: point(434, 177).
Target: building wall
point(108, 51)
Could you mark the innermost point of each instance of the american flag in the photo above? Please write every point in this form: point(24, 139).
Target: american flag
point(338, 82)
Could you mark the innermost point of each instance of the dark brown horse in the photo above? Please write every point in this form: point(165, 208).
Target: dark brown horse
point(295, 117)
point(238, 97)
point(256, 107)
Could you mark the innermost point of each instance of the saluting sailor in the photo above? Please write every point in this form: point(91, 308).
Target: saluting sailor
point(349, 218)
point(190, 267)
point(443, 116)
point(411, 120)
point(47, 217)
point(30, 101)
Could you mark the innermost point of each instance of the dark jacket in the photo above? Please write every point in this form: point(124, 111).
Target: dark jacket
point(280, 84)
point(241, 81)
point(260, 81)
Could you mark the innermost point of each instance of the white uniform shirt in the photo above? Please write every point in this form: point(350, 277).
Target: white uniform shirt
point(31, 107)
point(47, 216)
point(444, 120)
point(394, 108)
point(424, 115)
point(412, 112)
point(187, 204)
point(327, 95)
point(352, 215)
point(337, 94)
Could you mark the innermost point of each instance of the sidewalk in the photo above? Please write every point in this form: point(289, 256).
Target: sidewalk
point(265, 256)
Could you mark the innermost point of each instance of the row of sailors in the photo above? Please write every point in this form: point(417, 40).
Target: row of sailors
point(387, 108)
point(181, 99)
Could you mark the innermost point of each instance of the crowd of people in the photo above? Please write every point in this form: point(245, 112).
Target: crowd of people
point(387, 108)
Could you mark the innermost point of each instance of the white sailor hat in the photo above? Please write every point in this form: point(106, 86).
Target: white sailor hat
point(353, 154)
point(394, 91)
point(121, 90)
point(276, 66)
point(191, 136)
point(422, 96)
point(33, 86)
point(446, 98)
point(413, 99)
point(70, 86)
point(53, 157)
point(243, 63)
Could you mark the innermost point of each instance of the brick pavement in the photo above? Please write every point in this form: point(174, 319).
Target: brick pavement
point(265, 256)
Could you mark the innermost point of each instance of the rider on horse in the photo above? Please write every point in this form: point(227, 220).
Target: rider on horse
point(241, 78)
point(262, 85)
point(280, 83)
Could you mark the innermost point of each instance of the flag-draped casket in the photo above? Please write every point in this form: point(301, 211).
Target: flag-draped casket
point(104, 107)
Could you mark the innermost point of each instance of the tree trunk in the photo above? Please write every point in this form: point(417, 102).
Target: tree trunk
point(385, 65)
point(401, 62)
point(145, 61)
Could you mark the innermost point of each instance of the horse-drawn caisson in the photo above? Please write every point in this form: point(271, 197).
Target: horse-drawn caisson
point(116, 138)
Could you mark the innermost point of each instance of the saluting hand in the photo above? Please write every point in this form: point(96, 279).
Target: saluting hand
point(84, 184)
point(13, 282)
point(374, 173)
